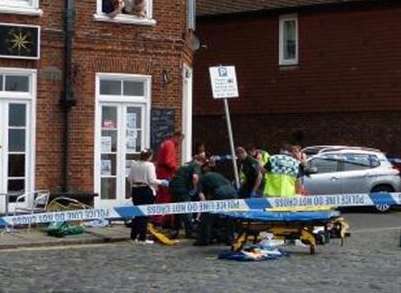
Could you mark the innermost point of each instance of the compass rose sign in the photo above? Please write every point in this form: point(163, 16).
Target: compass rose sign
point(19, 41)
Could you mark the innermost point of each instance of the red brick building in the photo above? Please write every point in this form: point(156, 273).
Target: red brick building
point(311, 72)
point(79, 89)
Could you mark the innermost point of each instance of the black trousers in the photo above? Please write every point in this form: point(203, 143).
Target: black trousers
point(140, 196)
point(186, 219)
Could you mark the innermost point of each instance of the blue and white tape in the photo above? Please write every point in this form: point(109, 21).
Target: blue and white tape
point(129, 211)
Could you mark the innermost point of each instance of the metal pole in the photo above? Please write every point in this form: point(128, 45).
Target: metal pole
point(231, 138)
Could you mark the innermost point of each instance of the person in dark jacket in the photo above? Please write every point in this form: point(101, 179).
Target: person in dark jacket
point(182, 187)
point(214, 186)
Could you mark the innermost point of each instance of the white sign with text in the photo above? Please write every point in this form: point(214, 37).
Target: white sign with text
point(224, 82)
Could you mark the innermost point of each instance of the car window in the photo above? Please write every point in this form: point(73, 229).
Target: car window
point(324, 165)
point(355, 162)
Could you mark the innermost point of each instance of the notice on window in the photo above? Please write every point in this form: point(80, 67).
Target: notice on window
point(224, 82)
point(131, 140)
point(106, 167)
point(109, 124)
point(106, 142)
point(131, 120)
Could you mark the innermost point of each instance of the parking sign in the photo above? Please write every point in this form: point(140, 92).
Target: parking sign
point(224, 82)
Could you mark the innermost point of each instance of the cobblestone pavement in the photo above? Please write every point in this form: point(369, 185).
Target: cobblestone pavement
point(370, 261)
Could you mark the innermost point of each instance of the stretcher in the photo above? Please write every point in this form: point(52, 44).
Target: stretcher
point(288, 225)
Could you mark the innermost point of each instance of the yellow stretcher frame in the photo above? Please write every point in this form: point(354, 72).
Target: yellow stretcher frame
point(294, 230)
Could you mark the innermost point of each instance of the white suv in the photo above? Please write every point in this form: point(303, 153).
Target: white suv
point(341, 169)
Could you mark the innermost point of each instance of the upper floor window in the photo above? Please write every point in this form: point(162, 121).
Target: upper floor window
point(27, 7)
point(288, 42)
point(125, 11)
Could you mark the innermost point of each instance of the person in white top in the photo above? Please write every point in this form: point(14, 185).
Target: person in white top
point(144, 183)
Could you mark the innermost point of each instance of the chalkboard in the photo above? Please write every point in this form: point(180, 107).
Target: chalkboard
point(162, 125)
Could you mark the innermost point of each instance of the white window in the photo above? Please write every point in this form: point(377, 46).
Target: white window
point(288, 43)
point(125, 11)
point(122, 131)
point(26, 7)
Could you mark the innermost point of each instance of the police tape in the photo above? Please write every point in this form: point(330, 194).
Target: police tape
point(216, 206)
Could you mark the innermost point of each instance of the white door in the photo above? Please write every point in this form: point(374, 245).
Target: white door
point(187, 114)
point(14, 149)
point(121, 138)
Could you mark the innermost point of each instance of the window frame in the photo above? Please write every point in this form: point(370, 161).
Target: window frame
point(31, 7)
point(338, 167)
point(29, 99)
point(283, 19)
point(126, 19)
point(121, 102)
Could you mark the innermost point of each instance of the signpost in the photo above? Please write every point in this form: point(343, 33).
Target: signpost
point(225, 86)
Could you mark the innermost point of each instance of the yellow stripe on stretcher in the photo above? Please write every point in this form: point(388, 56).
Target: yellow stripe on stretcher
point(302, 209)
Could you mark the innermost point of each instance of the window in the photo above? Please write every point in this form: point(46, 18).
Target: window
point(118, 87)
point(288, 40)
point(27, 7)
point(191, 14)
point(125, 11)
point(15, 83)
point(355, 162)
point(122, 131)
point(324, 165)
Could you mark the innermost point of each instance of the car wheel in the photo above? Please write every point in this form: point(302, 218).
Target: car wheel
point(383, 188)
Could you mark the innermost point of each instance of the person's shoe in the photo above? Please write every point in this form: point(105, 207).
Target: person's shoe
point(147, 241)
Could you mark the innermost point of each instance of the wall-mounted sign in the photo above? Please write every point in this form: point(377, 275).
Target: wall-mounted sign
point(19, 41)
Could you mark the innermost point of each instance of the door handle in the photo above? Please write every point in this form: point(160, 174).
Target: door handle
point(334, 178)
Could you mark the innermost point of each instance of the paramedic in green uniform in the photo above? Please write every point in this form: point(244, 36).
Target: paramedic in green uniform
point(283, 172)
point(214, 186)
point(250, 174)
point(182, 186)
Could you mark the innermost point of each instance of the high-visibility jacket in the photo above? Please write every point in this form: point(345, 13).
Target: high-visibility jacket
point(264, 157)
point(283, 171)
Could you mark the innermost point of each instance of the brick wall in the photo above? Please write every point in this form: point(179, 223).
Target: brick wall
point(98, 47)
point(345, 90)
point(350, 60)
point(371, 129)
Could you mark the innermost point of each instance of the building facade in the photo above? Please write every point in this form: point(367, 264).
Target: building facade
point(309, 72)
point(81, 93)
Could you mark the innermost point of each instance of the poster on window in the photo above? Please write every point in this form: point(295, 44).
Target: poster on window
point(105, 143)
point(106, 167)
point(131, 120)
point(131, 140)
point(109, 124)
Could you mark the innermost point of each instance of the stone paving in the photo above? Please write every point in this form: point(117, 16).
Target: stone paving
point(370, 261)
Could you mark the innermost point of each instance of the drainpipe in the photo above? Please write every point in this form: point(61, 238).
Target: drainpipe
point(67, 99)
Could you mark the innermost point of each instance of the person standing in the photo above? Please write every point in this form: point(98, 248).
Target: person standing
point(250, 173)
point(283, 172)
point(144, 183)
point(166, 167)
